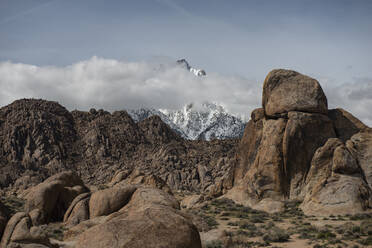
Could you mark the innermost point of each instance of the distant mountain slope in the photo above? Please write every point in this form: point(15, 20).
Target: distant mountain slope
point(203, 121)
point(196, 72)
point(40, 138)
point(141, 114)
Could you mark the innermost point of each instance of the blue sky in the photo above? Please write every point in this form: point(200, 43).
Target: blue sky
point(249, 38)
point(329, 40)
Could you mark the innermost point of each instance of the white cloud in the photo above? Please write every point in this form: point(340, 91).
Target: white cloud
point(354, 97)
point(115, 85)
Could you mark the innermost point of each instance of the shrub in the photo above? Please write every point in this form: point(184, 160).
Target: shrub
point(14, 204)
point(210, 221)
point(257, 219)
point(276, 234)
point(363, 216)
point(366, 227)
point(214, 244)
point(326, 235)
point(366, 241)
point(248, 226)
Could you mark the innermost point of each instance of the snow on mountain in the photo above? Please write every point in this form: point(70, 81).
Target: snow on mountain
point(204, 121)
point(196, 72)
point(143, 113)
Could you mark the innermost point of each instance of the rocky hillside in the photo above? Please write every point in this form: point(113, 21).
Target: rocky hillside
point(40, 138)
point(204, 121)
point(99, 179)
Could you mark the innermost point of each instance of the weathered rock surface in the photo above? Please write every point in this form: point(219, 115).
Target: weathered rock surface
point(19, 232)
point(192, 201)
point(34, 135)
point(138, 177)
point(345, 124)
point(49, 200)
point(304, 133)
point(109, 200)
point(4, 216)
point(335, 184)
point(157, 132)
point(118, 216)
point(264, 177)
point(151, 212)
point(249, 144)
point(78, 210)
point(286, 90)
point(360, 145)
point(295, 149)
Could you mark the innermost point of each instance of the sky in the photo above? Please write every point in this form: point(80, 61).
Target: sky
point(118, 54)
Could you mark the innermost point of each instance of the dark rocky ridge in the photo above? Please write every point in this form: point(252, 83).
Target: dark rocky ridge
point(39, 138)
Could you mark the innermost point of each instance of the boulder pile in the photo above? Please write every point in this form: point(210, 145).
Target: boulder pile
point(124, 215)
point(294, 148)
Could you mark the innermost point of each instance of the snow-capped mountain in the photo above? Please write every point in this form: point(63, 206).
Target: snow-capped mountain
point(196, 72)
point(204, 121)
point(143, 113)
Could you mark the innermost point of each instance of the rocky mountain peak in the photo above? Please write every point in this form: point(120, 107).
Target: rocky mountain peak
point(34, 134)
point(156, 131)
point(196, 72)
point(204, 121)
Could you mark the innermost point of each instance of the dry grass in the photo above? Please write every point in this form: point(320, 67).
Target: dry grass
point(246, 227)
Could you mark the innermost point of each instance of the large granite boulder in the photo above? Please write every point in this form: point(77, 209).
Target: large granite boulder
point(138, 177)
point(335, 183)
point(151, 219)
point(78, 210)
point(360, 145)
point(294, 149)
point(4, 216)
point(345, 124)
point(20, 233)
point(49, 200)
point(109, 200)
point(304, 133)
point(249, 144)
point(264, 177)
point(286, 90)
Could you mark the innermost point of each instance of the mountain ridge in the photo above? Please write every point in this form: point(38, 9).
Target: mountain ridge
point(205, 121)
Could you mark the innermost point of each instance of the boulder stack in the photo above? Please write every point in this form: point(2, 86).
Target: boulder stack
point(20, 233)
point(124, 215)
point(294, 148)
point(49, 200)
point(151, 219)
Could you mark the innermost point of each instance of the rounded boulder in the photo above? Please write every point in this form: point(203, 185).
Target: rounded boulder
point(286, 90)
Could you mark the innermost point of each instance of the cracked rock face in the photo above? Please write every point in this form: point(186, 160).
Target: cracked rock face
point(335, 182)
point(294, 148)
